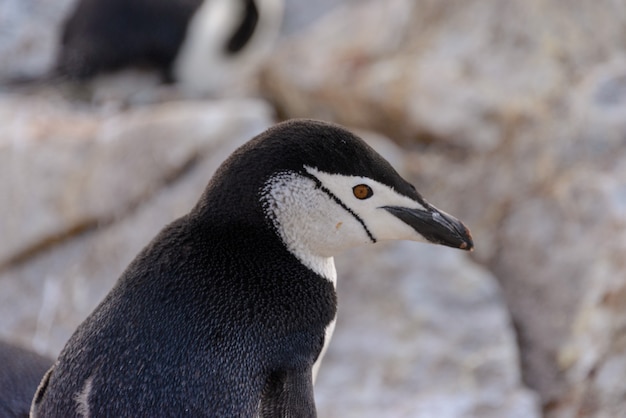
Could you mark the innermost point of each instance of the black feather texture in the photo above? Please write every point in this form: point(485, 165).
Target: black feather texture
point(20, 373)
point(106, 35)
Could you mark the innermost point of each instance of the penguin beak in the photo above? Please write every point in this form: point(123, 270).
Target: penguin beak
point(436, 226)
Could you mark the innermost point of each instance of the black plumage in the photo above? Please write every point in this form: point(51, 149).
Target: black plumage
point(20, 373)
point(105, 35)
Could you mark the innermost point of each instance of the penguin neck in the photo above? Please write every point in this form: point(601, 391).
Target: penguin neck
point(244, 31)
point(322, 266)
point(285, 208)
point(220, 208)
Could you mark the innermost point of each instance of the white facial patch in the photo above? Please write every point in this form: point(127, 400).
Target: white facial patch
point(310, 223)
point(381, 224)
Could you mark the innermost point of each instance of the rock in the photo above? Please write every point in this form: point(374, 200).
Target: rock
point(29, 37)
point(442, 70)
point(354, 46)
point(549, 225)
point(595, 354)
point(140, 171)
point(300, 14)
point(422, 331)
point(571, 232)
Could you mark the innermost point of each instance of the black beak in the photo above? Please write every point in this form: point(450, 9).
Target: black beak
point(436, 226)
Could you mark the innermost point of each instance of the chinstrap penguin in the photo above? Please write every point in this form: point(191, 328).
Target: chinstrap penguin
point(202, 44)
point(227, 312)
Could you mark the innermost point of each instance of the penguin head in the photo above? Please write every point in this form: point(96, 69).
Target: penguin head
point(323, 190)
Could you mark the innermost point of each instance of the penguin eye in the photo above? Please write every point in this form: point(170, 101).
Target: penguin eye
point(362, 191)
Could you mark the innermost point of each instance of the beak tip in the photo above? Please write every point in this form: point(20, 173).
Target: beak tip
point(468, 243)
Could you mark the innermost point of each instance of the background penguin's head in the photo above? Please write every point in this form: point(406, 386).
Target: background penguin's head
point(324, 190)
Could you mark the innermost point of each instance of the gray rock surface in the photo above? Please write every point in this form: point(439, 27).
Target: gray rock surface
point(454, 71)
point(422, 331)
point(300, 14)
point(72, 187)
point(29, 33)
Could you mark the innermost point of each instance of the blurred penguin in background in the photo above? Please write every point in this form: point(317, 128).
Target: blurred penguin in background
point(204, 45)
point(21, 371)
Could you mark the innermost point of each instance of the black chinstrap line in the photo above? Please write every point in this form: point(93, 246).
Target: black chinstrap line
point(320, 186)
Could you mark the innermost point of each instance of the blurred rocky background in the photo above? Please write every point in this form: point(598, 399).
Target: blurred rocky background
point(509, 114)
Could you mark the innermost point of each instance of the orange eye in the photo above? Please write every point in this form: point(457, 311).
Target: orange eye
point(362, 191)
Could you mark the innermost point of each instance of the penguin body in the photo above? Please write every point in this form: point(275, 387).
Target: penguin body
point(21, 371)
point(193, 42)
point(227, 311)
point(106, 35)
